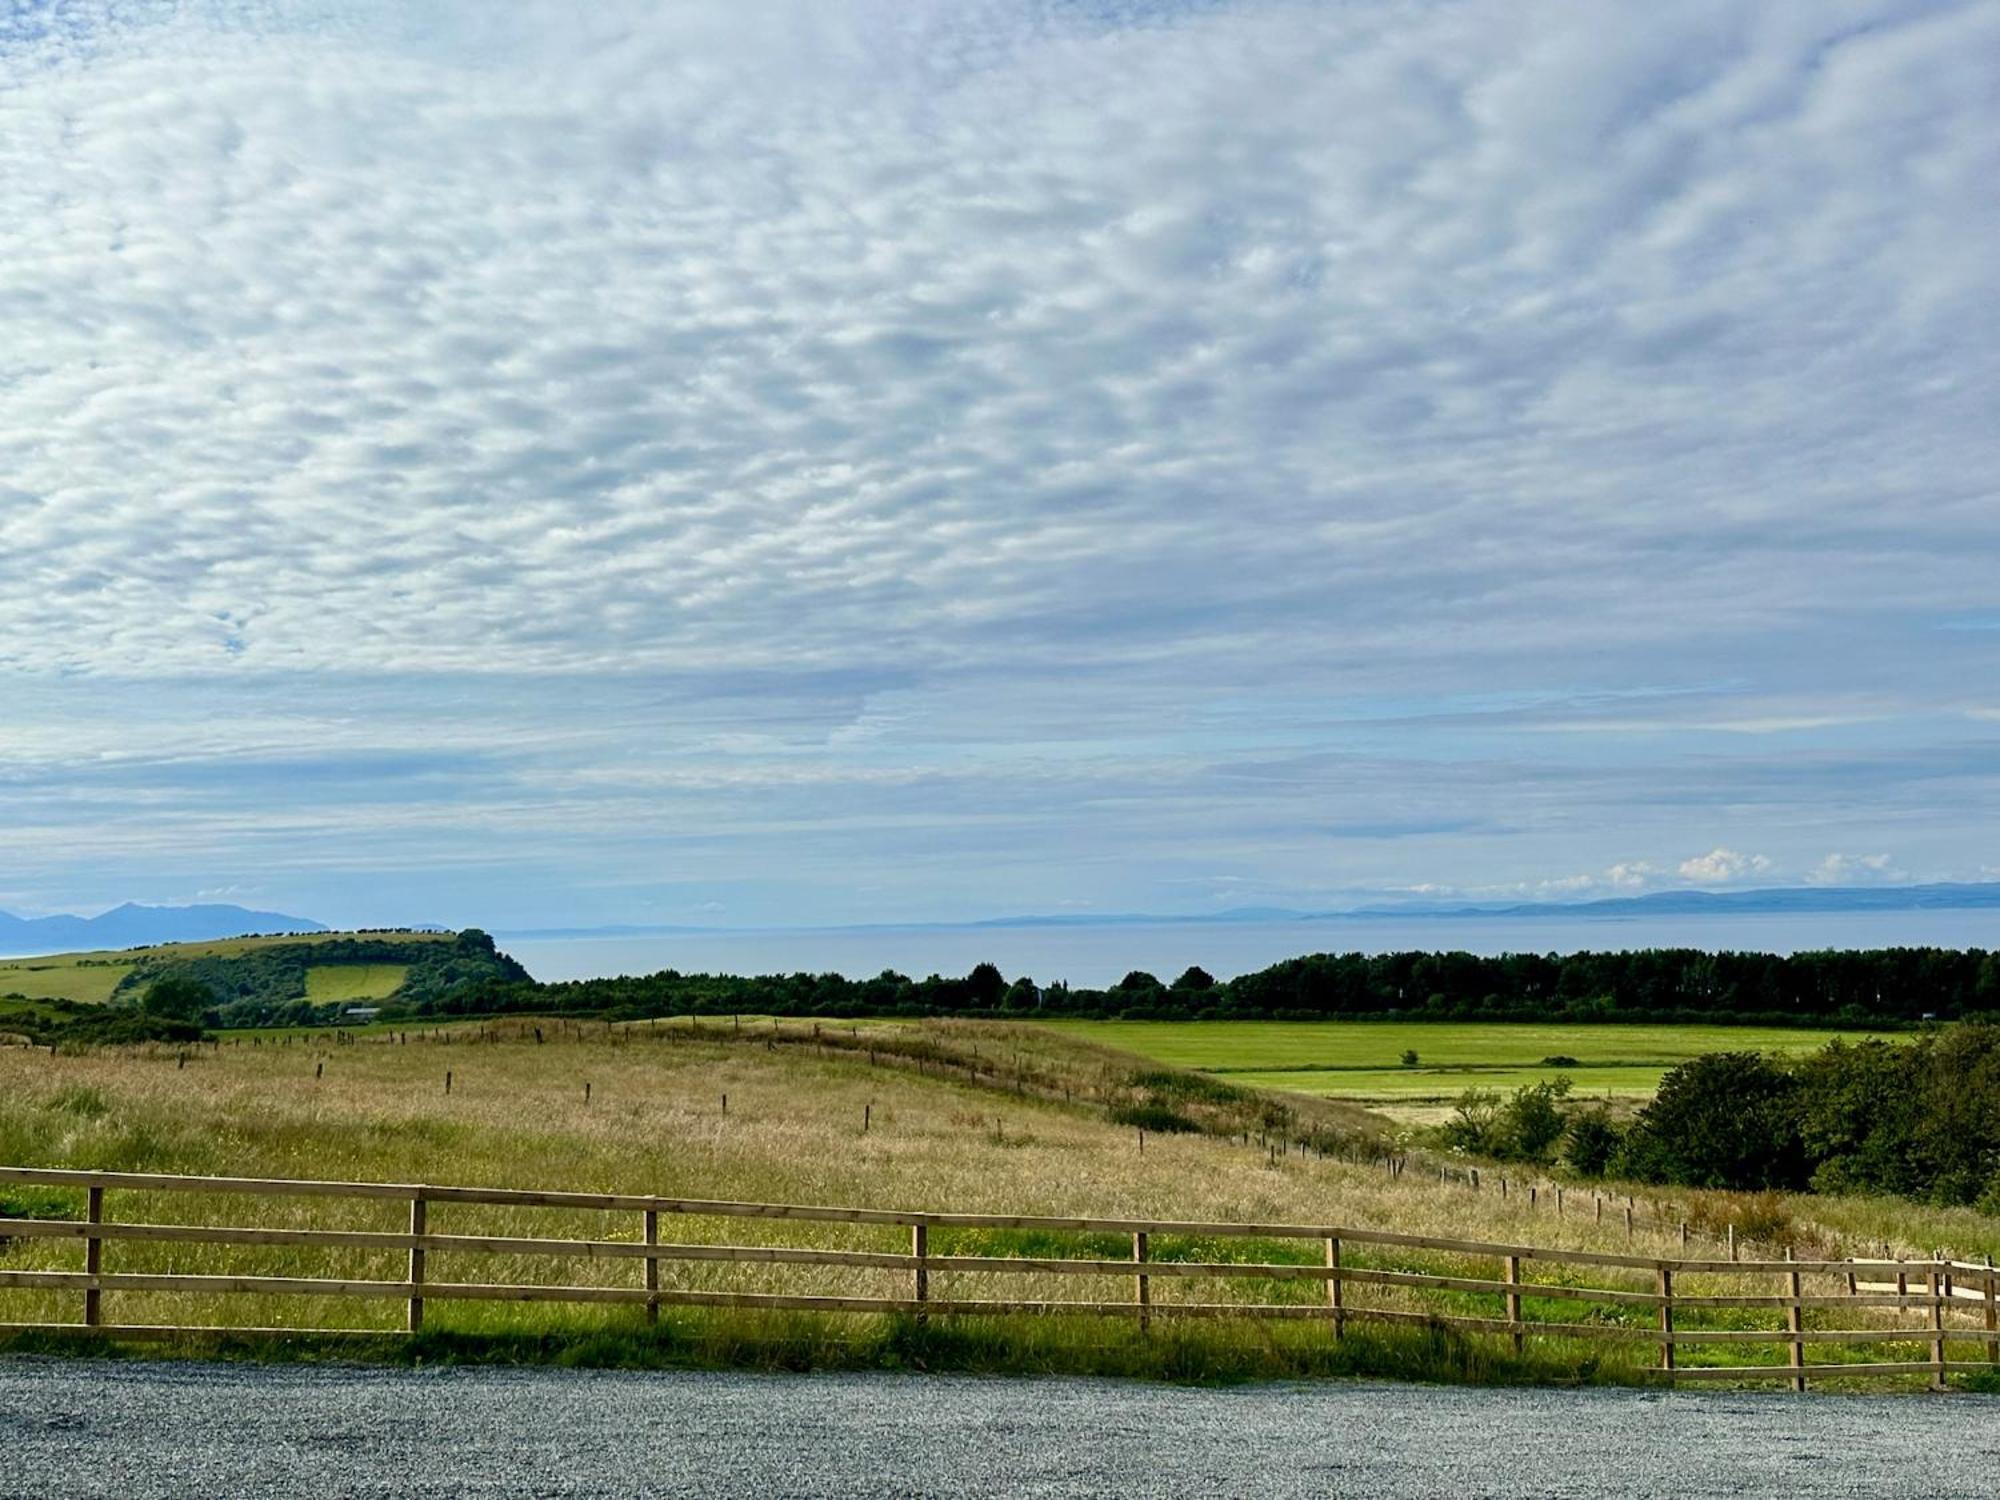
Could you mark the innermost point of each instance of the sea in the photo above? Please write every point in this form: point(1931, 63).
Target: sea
point(1092, 956)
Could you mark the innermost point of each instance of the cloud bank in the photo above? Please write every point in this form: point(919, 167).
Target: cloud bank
point(837, 461)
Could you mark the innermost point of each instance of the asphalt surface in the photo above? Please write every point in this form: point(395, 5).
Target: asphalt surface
point(135, 1430)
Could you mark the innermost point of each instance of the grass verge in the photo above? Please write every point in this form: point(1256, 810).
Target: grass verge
point(1213, 1353)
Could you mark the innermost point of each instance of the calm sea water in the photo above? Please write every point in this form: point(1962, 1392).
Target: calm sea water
point(1097, 956)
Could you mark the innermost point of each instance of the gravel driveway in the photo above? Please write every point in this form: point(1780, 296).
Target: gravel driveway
point(134, 1430)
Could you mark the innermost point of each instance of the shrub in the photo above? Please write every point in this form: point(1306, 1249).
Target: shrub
point(1155, 1117)
point(1755, 1216)
point(1532, 1121)
point(1409, 1057)
point(1170, 1083)
point(1591, 1143)
point(1723, 1120)
point(1474, 1122)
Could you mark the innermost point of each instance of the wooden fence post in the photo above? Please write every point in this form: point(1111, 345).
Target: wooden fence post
point(1514, 1299)
point(419, 1224)
point(1666, 1281)
point(652, 1267)
point(920, 1247)
point(93, 1260)
point(1992, 1315)
point(1795, 1323)
point(1335, 1288)
point(1142, 1290)
point(1937, 1328)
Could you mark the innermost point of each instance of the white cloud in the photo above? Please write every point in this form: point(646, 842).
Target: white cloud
point(1719, 866)
point(1632, 875)
point(1046, 438)
point(1855, 869)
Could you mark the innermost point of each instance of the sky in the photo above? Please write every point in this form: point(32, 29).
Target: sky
point(825, 461)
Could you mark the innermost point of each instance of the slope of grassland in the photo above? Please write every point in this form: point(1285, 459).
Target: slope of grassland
point(958, 1117)
point(86, 977)
point(330, 982)
point(1361, 1061)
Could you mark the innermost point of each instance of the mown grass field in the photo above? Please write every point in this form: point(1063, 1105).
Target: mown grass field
point(92, 977)
point(953, 1135)
point(1360, 1061)
point(328, 982)
point(86, 977)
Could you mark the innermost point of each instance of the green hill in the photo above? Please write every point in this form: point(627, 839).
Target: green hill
point(250, 981)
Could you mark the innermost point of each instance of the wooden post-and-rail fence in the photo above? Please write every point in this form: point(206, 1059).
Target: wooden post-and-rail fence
point(1955, 1305)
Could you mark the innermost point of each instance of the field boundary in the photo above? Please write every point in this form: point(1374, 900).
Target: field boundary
point(1954, 1303)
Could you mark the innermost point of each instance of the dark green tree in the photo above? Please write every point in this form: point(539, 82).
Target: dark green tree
point(985, 985)
point(1724, 1120)
point(176, 997)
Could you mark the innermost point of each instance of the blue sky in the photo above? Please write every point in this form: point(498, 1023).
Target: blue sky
point(821, 462)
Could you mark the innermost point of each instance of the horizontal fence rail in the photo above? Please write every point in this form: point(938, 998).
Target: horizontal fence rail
point(1950, 1310)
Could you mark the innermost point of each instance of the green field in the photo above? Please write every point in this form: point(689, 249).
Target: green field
point(328, 982)
point(88, 977)
point(1361, 1060)
point(976, 1117)
point(92, 977)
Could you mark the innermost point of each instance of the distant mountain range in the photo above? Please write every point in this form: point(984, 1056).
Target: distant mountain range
point(1974, 896)
point(135, 926)
point(1977, 896)
point(1983, 895)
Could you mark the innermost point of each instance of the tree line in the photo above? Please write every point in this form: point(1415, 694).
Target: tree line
point(1873, 987)
point(1917, 1118)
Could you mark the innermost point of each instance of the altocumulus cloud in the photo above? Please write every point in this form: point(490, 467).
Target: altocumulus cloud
point(920, 458)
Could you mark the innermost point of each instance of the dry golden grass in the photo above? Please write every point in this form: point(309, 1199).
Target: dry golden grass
point(654, 1122)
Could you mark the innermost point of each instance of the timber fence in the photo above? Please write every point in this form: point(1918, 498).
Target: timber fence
point(1334, 1275)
